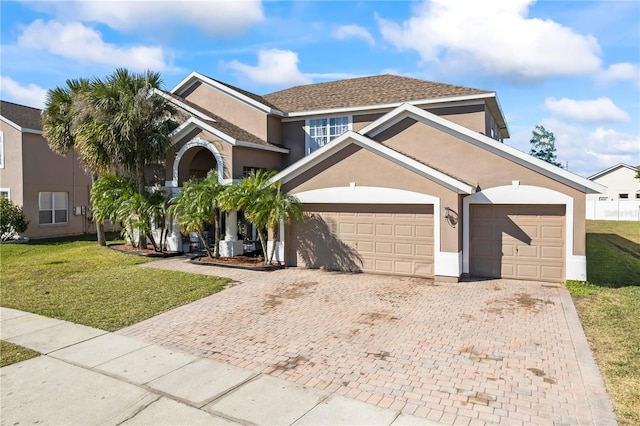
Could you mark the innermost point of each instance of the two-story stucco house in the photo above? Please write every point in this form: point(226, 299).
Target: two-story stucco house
point(53, 190)
point(620, 182)
point(396, 176)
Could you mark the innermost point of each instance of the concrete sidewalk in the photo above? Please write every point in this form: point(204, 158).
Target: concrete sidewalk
point(88, 376)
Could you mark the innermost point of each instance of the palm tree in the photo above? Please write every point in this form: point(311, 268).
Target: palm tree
point(116, 124)
point(199, 204)
point(61, 118)
point(264, 204)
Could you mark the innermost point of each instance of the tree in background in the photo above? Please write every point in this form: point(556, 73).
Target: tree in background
point(543, 145)
point(12, 220)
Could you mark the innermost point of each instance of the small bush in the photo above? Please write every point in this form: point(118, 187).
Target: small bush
point(12, 220)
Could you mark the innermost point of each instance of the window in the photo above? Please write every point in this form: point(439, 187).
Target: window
point(324, 130)
point(638, 196)
point(5, 193)
point(602, 198)
point(1, 150)
point(623, 196)
point(54, 207)
point(247, 171)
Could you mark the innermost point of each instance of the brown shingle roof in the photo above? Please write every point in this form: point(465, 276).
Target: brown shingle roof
point(24, 116)
point(374, 90)
point(223, 125)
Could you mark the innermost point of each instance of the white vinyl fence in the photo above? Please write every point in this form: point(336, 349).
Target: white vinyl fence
point(613, 210)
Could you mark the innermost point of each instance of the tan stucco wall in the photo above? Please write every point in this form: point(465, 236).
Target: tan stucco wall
point(476, 165)
point(11, 174)
point(250, 157)
point(229, 108)
point(355, 164)
point(46, 171)
point(293, 138)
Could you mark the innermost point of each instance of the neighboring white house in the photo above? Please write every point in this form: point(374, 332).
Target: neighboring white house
point(621, 200)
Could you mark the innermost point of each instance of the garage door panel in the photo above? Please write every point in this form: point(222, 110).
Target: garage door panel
point(552, 231)
point(404, 230)
point(381, 238)
point(423, 231)
point(513, 241)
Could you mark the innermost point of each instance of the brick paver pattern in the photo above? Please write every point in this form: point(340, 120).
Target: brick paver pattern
point(483, 352)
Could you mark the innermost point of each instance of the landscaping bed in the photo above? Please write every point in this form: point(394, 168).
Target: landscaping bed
point(148, 252)
point(253, 263)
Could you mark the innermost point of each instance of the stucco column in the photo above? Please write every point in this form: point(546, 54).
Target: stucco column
point(230, 246)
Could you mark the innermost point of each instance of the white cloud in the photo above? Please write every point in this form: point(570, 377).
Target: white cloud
point(589, 150)
point(30, 95)
point(620, 71)
point(276, 67)
point(210, 17)
point(496, 36)
point(354, 31)
point(601, 110)
point(76, 41)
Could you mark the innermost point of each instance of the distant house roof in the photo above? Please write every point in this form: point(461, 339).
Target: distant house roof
point(353, 92)
point(612, 169)
point(24, 118)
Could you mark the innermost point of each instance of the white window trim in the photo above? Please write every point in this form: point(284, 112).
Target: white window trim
point(8, 191)
point(307, 131)
point(53, 209)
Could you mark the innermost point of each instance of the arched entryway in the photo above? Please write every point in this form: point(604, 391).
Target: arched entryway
point(194, 160)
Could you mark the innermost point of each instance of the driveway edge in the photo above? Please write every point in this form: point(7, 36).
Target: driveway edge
point(601, 406)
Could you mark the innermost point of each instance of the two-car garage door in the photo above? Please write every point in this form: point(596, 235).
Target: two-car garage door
point(517, 241)
point(385, 239)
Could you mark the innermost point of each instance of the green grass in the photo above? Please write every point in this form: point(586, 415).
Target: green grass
point(81, 282)
point(10, 353)
point(609, 308)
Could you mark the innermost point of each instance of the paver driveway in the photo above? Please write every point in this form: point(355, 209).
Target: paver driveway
point(494, 352)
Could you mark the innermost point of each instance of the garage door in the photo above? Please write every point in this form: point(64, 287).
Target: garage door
point(521, 242)
point(368, 238)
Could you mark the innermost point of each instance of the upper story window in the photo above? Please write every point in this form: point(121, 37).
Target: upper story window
point(623, 196)
point(321, 131)
point(5, 193)
point(53, 207)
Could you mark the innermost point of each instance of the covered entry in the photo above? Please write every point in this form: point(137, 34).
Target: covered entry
point(517, 241)
point(389, 239)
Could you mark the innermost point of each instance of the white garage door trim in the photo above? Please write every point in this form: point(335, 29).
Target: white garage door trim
point(576, 266)
point(444, 264)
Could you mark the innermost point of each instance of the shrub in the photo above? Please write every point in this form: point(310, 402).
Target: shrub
point(12, 220)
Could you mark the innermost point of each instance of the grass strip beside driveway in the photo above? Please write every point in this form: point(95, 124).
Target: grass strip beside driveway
point(87, 284)
point(609, 309)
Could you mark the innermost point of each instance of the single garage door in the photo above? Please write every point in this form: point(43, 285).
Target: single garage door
point(369, 238)
point(521, 242)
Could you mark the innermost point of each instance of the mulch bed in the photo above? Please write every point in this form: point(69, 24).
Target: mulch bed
point(254, 263)
point(148, 252)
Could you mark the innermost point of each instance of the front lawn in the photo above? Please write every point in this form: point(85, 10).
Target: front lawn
point(84, 283)
point(609, 308)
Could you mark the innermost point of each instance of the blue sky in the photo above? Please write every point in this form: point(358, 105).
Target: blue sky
point(572, 66)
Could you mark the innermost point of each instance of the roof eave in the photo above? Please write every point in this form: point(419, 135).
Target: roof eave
point(484, 142)
point(195, 76)
point(321, 154)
